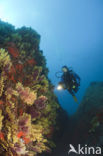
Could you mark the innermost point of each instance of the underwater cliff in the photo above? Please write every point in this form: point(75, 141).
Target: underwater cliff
point(29, 110)
point(85, 127)
point(32, 123)
point(90, 116)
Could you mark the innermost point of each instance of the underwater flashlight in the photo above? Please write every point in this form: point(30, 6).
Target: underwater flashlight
point(59, 87)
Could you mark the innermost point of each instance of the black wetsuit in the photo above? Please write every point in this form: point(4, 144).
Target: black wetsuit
point(71, 79)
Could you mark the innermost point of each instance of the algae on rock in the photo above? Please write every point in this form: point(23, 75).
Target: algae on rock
point(89, 117)
point(28, 105)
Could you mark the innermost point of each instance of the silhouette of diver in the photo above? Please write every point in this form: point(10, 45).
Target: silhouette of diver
point(70, 81)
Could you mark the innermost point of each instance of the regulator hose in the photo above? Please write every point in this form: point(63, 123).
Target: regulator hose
point(57, 74)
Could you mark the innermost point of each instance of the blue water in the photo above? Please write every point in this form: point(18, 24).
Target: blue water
point(71, 34)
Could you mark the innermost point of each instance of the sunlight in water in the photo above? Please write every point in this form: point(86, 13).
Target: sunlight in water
point(2, 14)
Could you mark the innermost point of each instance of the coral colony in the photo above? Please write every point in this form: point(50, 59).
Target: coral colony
point(28, 107)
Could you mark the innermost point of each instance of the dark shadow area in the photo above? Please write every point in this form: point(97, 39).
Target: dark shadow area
point(86, 126)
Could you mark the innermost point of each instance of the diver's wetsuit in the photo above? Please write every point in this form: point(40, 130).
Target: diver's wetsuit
point(71, 79)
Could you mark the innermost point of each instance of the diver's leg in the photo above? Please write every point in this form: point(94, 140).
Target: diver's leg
point(71, 92)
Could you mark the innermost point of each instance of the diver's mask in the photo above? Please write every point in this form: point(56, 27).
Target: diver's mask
point(64, 69)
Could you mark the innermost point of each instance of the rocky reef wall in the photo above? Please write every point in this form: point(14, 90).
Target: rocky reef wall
point(28, 107)
point(92, 100)
point(89, 117)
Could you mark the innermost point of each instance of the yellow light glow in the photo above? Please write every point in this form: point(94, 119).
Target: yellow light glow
point(59, 87)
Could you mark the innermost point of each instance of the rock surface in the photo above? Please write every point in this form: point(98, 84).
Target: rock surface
point(86, 126)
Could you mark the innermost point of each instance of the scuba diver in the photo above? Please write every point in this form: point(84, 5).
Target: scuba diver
point(70, 81)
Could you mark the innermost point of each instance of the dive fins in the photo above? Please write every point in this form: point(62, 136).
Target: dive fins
point(75, 99)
